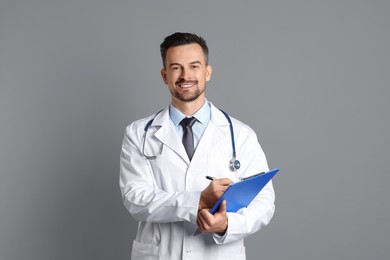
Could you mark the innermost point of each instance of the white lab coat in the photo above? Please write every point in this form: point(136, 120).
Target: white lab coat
point(163, 193)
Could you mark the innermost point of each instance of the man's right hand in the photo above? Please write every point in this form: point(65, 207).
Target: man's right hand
point(213, 192)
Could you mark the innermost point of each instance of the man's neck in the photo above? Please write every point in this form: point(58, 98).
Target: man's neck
point(189, 108)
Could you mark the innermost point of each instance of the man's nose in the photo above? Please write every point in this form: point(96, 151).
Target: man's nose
point(185, 74)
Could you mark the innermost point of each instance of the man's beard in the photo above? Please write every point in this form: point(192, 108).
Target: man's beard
point(188, 96)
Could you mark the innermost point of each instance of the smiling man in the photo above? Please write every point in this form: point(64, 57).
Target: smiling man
point(166, 156)
point(186, 71)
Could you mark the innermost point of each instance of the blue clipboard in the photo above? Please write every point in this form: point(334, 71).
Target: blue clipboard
point(240, 194)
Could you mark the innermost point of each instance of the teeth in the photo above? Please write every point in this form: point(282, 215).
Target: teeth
point(186, 85)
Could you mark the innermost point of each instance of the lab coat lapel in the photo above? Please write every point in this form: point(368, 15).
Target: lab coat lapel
point(167, 134)
point(211, 137)
point(215, 132)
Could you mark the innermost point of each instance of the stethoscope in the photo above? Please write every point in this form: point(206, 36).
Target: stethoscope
point(234, 164)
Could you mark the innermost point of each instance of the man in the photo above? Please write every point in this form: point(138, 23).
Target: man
point(162, 172)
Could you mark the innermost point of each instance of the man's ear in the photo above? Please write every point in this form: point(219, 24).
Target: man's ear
point(209, 71)
point(164, 75)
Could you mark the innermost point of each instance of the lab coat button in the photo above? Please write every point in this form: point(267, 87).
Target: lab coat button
point(188, 251)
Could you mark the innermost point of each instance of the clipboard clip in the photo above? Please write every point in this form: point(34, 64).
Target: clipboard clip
point(246, 178)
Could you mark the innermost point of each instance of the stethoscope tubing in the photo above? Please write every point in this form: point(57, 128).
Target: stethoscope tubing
point(234, 163)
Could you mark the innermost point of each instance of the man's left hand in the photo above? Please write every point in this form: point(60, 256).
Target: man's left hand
point(216, 223)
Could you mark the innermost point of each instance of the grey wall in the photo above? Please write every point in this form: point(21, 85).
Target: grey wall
point(311, 77)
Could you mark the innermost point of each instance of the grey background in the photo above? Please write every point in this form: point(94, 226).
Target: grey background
point(311, 78)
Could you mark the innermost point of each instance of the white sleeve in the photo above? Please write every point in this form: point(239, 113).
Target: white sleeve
point(141, 197)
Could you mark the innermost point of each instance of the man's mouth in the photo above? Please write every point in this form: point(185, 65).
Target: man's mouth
point(186, 84)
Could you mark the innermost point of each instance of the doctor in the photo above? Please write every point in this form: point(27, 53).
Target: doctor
point(163, 185)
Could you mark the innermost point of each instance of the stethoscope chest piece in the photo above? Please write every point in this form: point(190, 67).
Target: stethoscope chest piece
point(234, 164)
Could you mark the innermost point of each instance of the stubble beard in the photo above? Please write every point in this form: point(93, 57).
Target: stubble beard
point(188, 96)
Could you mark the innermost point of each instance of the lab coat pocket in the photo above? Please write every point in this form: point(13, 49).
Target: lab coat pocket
point(230, 251)
point(144, 251)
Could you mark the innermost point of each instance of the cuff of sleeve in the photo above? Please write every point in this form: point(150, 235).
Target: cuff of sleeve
point(194, 207)
point(222, 239)
point(218, 239)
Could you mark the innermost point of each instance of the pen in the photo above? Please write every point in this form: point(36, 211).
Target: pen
point(197, 232)
point(210, 178)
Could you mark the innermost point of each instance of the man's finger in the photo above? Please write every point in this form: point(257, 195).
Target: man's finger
point(222, 207)
point(204, 216)
point(223, 181)
point(203, 221)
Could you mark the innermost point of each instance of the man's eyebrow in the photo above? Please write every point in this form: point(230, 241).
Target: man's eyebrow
point(178, 64)
point(195, 62)
point(174, 64)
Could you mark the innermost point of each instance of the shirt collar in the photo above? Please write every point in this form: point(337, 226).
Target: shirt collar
point(202, 115)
